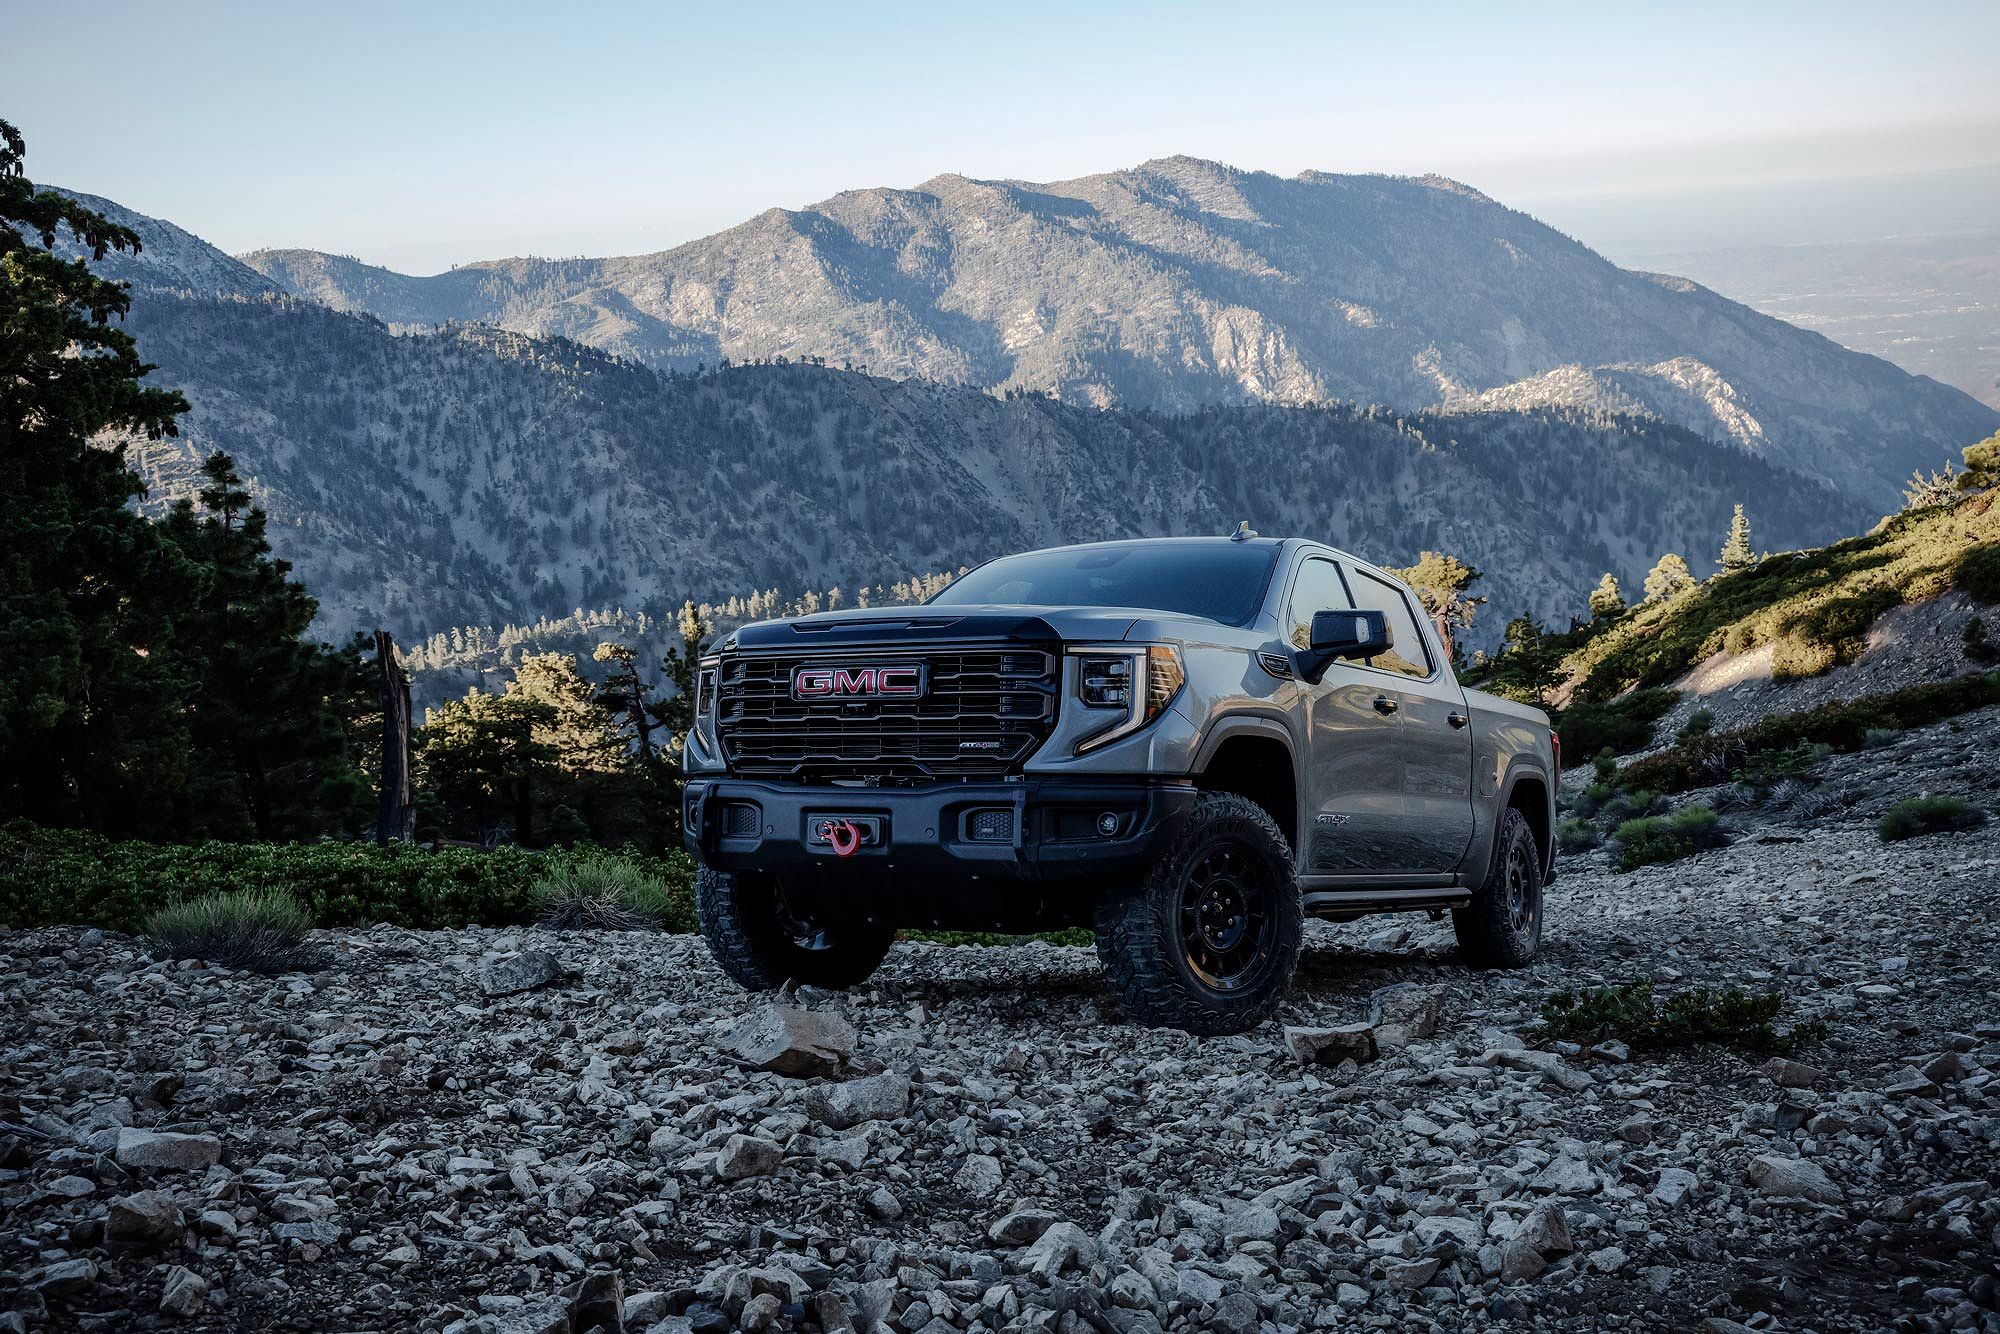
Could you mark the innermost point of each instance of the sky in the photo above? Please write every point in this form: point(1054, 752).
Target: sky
point(418, 135)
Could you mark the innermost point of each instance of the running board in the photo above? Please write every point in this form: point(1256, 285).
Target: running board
point(1361, 902)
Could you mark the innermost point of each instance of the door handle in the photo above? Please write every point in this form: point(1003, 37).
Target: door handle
point(1383, 704)
point(1457, 719)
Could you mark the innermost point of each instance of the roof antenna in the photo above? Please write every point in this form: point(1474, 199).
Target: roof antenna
point(1244, 532)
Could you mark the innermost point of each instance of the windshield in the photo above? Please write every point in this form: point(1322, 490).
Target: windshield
point(1216, 580)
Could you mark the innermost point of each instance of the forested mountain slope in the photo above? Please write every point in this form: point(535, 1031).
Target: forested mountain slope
point(1183, 283)
point(475, 476)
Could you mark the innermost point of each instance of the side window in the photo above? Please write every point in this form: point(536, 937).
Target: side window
point(1318, 588)
point(1407, 653)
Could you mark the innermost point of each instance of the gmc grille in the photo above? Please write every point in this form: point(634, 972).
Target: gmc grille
point(983, 712)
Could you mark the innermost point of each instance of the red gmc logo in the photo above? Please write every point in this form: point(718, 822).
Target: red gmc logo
point(902, 681)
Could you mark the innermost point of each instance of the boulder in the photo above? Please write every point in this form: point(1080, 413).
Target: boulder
point(510, 974)
point(1792, 1178)
point(1790, 1074)
point(1331, 1046)
point(186, 1293)
point(1021, 1226)
point(846, 1105)
point(791, 1041)
point(1405, 1013)
point(1062, 1246)
point(149, 1220)
point(163, 1149)
point(746, 1156)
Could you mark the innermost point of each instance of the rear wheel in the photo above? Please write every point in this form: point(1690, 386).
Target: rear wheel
point(1208, 939)
point(760, 943)
point(1501, 927)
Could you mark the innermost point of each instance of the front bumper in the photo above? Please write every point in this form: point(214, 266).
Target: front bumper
point(1031, 830)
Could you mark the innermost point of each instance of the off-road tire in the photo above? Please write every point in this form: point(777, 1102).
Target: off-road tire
point(1501, 925)
point(742, 920)
point(1143, 929)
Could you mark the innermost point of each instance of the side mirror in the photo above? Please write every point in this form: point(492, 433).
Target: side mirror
point(1341, 634)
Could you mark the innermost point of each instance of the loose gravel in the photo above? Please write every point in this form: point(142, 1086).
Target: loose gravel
point(535, 1131)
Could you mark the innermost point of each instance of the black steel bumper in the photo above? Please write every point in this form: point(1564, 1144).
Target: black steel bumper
point(1031, 831)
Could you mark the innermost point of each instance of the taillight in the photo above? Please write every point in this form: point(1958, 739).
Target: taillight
point(1556, 745)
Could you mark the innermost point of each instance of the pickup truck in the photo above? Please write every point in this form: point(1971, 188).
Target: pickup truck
point(1186, 744)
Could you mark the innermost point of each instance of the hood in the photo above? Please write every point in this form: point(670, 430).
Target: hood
point(936, 625)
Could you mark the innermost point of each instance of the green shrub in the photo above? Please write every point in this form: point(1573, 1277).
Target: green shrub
point(1619, 725)
point(1764, 770)
point(1700, 723)
point(1574, 836)
point(263, 930)
point(1667, 838)
point(52, 877)
point(608, 894)
point(1978, 647)
point(1843, 726)
point(1631, 1014)
point(1877, 737)
point(1796, 659)
point(1978, 572)
point(1632, 805)
point(1913, 817)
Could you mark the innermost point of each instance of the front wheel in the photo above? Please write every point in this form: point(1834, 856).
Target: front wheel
point(1208, 938)
point(762, 945)
point(1501, 926)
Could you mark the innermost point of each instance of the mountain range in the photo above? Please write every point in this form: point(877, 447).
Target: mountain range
point(501, 444)
point(1182, 283)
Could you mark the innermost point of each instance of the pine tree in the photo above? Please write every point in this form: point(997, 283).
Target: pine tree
point(1737, 553)
point(1670, 576)
point(1982, 464)
point(1607, 599)
point(676, 713)
point(274, 716)
point(90, 728)
point(481, 759)
point(1440, 582)
point(626, 694)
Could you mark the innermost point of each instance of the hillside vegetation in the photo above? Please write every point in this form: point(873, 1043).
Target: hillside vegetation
point(1812, 607)
point(475, 477)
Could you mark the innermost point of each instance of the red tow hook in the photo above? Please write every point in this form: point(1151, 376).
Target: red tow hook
point(843, 836)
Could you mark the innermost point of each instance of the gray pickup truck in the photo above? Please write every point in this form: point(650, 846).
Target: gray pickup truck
point(1185, 744)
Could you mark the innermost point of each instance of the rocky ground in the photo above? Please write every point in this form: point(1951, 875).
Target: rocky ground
point(437, 1131)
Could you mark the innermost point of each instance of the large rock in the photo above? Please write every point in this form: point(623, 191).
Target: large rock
point(1793, 1178)
point(747, 1156)
point(186, 1293)
point(1062, 1246)
point(846, 1105)
point(791, 1041)
point(163, 1149)
point(1331, 1046)
point(597, 1300)
point(149, 1220)
point(1546, 1064)
point(1790, 1074)
point(1405, 1013)
point(509, 974)
point(1542, 1235)
point(1021, 1226)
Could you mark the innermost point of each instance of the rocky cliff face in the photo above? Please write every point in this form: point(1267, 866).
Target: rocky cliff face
point(1181, 283)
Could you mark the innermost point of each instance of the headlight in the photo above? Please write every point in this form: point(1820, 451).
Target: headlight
point(1134, 682)
point(704, 686)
